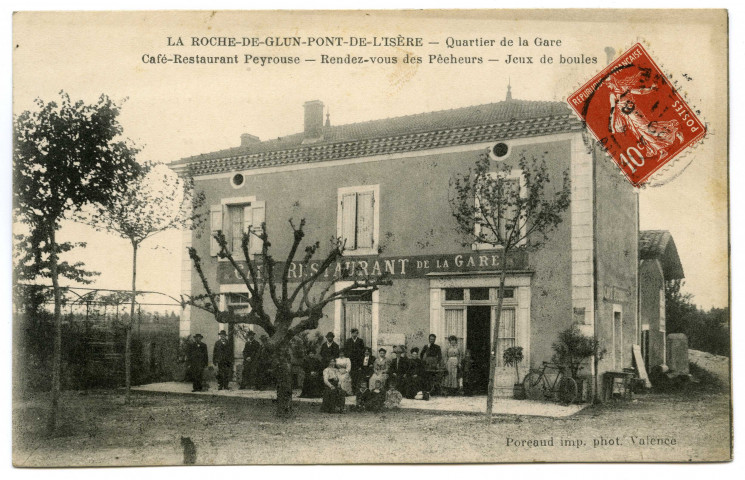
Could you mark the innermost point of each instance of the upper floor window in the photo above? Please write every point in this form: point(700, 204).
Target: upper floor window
point(357, 218)
point(497, 206)
point(234, 217)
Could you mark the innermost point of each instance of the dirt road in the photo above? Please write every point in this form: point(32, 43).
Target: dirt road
point(100, 430)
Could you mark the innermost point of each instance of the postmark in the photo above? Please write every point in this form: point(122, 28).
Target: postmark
point(637, 115)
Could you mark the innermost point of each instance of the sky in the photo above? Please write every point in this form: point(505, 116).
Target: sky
point(174, 111)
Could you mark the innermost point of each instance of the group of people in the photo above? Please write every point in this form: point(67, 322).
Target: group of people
point(382, 381)
point(222, 357)
point(335, 372)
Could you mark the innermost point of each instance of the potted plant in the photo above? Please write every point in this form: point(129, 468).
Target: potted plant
point(512, 357)
point(571, 350)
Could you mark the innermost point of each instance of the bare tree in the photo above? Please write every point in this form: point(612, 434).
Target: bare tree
point(65, 155)
point(153, 201)
point(283, 309)
point(507, 207)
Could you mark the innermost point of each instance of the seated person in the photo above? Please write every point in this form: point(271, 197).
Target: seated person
point(380, 369)
point(398, 366)
point(333, 395)
point(367, 364)
point(313, 378)
point(377, 397)
point(392, 397)
point(413, 380)
point(364, 397)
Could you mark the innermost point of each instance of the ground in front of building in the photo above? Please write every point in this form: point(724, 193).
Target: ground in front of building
point(98, 430)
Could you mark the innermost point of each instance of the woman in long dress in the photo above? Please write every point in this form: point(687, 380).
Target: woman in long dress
point(344, 368)
point(333, 396)
point(380, 370)
point(653, 138)
point(454, 359)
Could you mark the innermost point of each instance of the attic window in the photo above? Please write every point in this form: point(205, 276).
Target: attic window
point(237, 180)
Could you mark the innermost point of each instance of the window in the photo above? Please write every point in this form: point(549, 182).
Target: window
point(453, 294)
point(357, 313)
point(506, 338)
point(497, 216)
point(358, 218)
point(235, 217)
point(237, 302)
point(455, 324)
point(481, 293)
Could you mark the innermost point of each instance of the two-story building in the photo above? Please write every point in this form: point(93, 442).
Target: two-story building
point(383, 185)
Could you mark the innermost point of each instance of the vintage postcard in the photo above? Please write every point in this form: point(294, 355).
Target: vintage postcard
point(370, 237)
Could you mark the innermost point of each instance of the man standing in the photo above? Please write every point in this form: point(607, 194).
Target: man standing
point(329, 350)
point(354, 347)
point(196, 360)
point(222, 358)
point(431, 359)
point(251, 356)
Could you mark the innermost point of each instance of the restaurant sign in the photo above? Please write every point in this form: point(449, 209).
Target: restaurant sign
point(415, 266)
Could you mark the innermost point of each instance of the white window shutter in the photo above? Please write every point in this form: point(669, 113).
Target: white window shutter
point(365, 220)
point(349, 220)
point(215, 226)
point(247, 225)
point(258, 216)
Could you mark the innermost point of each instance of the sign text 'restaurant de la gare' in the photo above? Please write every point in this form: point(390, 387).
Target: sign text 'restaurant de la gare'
point(415, 266)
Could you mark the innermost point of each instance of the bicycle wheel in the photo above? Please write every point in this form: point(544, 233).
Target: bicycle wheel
point(533, 385)
point(567, 392)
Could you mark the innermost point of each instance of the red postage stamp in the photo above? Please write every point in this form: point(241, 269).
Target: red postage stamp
point(637, 115)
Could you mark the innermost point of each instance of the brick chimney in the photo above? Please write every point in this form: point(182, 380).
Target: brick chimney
point(248, 139)
point(313, 120)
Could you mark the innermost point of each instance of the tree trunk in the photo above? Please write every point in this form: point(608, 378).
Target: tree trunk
point(128, 329)
point(283, 376)
point(57, 350)
point(495, 339)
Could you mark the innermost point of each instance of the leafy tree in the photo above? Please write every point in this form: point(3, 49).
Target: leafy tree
point(706, 330)
point(508, 212)
point(153, 201)
point(572, 348)
point(295, 308)
point(65, 155)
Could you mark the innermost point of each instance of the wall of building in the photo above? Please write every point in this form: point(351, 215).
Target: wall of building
point(652, 282)
point(617, 258)
point(415, 219)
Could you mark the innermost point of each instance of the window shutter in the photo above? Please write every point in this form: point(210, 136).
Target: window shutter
point(258, 216)
point(215, 226)
point(349, 219)
point(365, 220)
point(247, 223)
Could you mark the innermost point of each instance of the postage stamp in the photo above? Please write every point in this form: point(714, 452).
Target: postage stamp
point(637, 115)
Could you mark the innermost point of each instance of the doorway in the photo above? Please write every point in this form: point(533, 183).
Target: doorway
point(478, 339)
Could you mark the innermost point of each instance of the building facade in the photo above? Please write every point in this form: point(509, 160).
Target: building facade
point(383, 186)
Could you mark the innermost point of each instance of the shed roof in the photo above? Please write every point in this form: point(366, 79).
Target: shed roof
point(480, 123)
point(659, 244)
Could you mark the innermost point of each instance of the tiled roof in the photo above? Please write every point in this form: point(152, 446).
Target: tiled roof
point(659, 244)
point(481, 123)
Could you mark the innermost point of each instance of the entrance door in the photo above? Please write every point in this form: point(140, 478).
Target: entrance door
point(478, 333)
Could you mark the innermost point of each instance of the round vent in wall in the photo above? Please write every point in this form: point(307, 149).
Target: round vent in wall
point(499, 151)
point(237, 180)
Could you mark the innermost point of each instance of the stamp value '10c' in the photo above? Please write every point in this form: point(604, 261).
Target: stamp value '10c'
point(637, 115)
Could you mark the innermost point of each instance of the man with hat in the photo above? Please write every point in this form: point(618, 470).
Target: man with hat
point(251, 354)
point(196, 360)
point(329, 350)
point(354, 347)
point(222, 358)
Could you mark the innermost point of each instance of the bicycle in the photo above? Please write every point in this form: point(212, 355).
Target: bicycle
point(538, 386)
